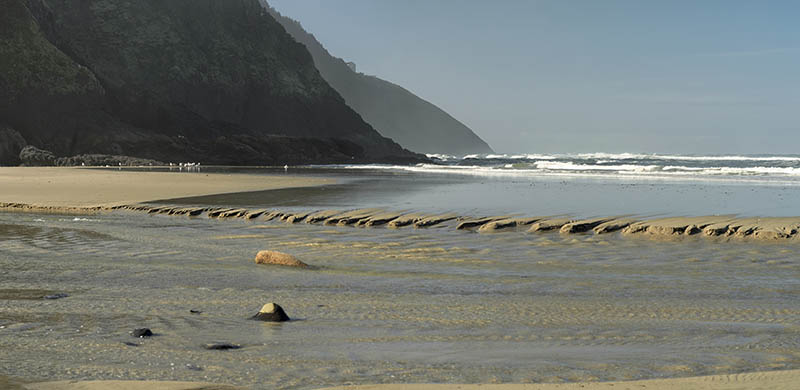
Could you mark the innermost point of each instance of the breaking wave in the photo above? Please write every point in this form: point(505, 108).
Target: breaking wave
point(624, 165)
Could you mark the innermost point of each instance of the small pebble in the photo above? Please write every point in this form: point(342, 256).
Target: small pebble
point(221, 346)
point(193, 367)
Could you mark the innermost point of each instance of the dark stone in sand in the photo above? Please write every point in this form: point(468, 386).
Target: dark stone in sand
point(221, 346)
point(141, 332)
point(56, 296)
point(271, 312)
point(193, 367)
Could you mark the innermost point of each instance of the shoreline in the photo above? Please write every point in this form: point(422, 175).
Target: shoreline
point(81, 190)
point(68, 190)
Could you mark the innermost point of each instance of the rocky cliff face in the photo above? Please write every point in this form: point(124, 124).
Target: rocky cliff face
point(215, 81)
point(394, 111)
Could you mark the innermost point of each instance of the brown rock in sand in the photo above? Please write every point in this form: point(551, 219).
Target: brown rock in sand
point(278, 258)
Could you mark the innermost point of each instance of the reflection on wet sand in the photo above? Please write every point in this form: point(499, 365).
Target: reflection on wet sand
point(385, 305)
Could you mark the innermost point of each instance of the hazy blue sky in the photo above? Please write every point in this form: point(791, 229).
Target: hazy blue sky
point(577, 76)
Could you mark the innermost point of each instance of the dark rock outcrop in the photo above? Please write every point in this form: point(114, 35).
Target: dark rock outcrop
point(99, 160)
point(215, 81)
point(394, 111)
point(32, 156)
point(11, 143)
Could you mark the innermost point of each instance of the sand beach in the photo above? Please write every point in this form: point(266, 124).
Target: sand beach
point(777, 380)
point(60, 187)
point(462, 298)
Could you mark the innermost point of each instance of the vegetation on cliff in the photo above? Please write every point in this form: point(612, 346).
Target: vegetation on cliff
point(217, 81)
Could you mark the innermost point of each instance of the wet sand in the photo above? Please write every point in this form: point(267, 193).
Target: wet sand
point(774, 229)
point(127, 385)
point(565, 303)
point(74, 188)
point(777, 380)
point(81, 190)
point(771, 380)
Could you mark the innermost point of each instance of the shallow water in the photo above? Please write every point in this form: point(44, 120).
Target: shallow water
point(404, 305)
point(466, 194)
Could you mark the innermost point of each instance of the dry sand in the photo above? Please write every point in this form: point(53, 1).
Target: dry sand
point(773, 380)
point(85, 187)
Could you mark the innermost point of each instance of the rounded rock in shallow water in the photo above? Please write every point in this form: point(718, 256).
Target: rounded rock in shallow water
point(271, 312)
point(278, 258)
point(141, 332)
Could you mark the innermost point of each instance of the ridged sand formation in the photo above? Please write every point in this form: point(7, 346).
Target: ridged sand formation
point(723, 226)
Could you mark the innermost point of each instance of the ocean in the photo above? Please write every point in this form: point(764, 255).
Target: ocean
point(580, 185)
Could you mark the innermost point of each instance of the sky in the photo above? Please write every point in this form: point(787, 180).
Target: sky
point(565, 76)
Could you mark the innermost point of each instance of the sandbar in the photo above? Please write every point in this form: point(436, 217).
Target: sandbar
point(60, 187)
